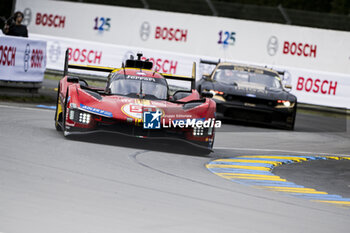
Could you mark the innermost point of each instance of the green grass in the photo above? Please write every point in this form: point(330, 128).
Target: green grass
point(28, 99)
point(52, 77)
point(323, 113)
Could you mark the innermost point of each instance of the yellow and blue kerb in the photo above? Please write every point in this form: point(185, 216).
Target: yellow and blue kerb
point(256, 171)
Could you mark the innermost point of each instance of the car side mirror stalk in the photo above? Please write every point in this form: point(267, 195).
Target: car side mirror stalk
point(207, 94)
point(206, 77)
point(288, 87)
point(72, 79)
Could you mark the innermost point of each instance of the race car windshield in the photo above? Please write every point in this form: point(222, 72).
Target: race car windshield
point(236, 77)
point(139, 87)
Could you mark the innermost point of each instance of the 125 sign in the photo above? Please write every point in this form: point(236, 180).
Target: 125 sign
point(227, 38)
point(102, 24)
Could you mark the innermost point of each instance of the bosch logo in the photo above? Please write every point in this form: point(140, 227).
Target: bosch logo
point(272, 46)
point(37, 58)
point(7, 55)
point(163, 65)
point(299, 49)
point(54, 51)
point(26, 58)
point(324, 87)
point(50, 20)
point(170, 34)
point(27, 16)
point(33, 58)
point(145, 31)
point(84, 55)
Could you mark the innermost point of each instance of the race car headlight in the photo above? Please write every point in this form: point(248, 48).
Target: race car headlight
point(215, 92)
point(72, 105)
point(217, 95)
point(198, 131)
point(284, 104)
point(84, 117)
point(210, 131)
point(71, 114)
point(287, 104)
point(79, 116)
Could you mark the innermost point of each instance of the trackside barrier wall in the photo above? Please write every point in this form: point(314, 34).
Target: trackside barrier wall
point(22, 59)
point(317, 61)
point(328, 89)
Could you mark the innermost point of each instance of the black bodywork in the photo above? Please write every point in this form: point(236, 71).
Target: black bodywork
point(250, 103)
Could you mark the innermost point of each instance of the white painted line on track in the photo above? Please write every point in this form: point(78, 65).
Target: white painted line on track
point(283, 151)
point(26, 108)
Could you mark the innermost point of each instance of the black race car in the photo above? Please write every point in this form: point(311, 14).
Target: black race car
point(249, 93)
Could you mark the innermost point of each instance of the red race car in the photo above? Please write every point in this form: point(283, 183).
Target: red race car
point(136, 102)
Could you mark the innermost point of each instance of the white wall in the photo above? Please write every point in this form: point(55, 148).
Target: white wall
point(322, 55)
point(77, 20)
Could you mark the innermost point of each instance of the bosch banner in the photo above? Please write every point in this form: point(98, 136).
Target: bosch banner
point(317, 60)
point(228, 39)
point(22, 59)
point(92, 53)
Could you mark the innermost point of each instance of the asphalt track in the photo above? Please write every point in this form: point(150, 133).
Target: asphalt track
point(114, 184)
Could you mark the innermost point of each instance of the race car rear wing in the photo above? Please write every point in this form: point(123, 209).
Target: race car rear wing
point(130, 63)
point(209, 62)
point(280, 72)
point(191, 79)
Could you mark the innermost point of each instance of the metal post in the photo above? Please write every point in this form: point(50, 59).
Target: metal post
point(193, 81)
point(212, 8)
point(145, 4)
point(284, 14)
point(13, 7)
point(65, 69)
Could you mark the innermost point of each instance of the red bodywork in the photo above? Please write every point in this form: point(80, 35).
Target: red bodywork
point(123, 115)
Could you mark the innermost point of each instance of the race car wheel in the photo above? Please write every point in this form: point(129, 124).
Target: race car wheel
point(58, 115)
point(211, 144)
point(64, 111)
point(291, 125)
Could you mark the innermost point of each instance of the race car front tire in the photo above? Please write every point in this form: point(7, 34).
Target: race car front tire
point(57, 116)
point(64, 114)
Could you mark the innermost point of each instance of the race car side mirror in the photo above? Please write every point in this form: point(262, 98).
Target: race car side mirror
point(288, 87)
point(72, 79)
point(207, 94)
point(206, 77)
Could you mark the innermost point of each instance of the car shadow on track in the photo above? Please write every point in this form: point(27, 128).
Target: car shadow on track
point(159, 145)
point(305, 122)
